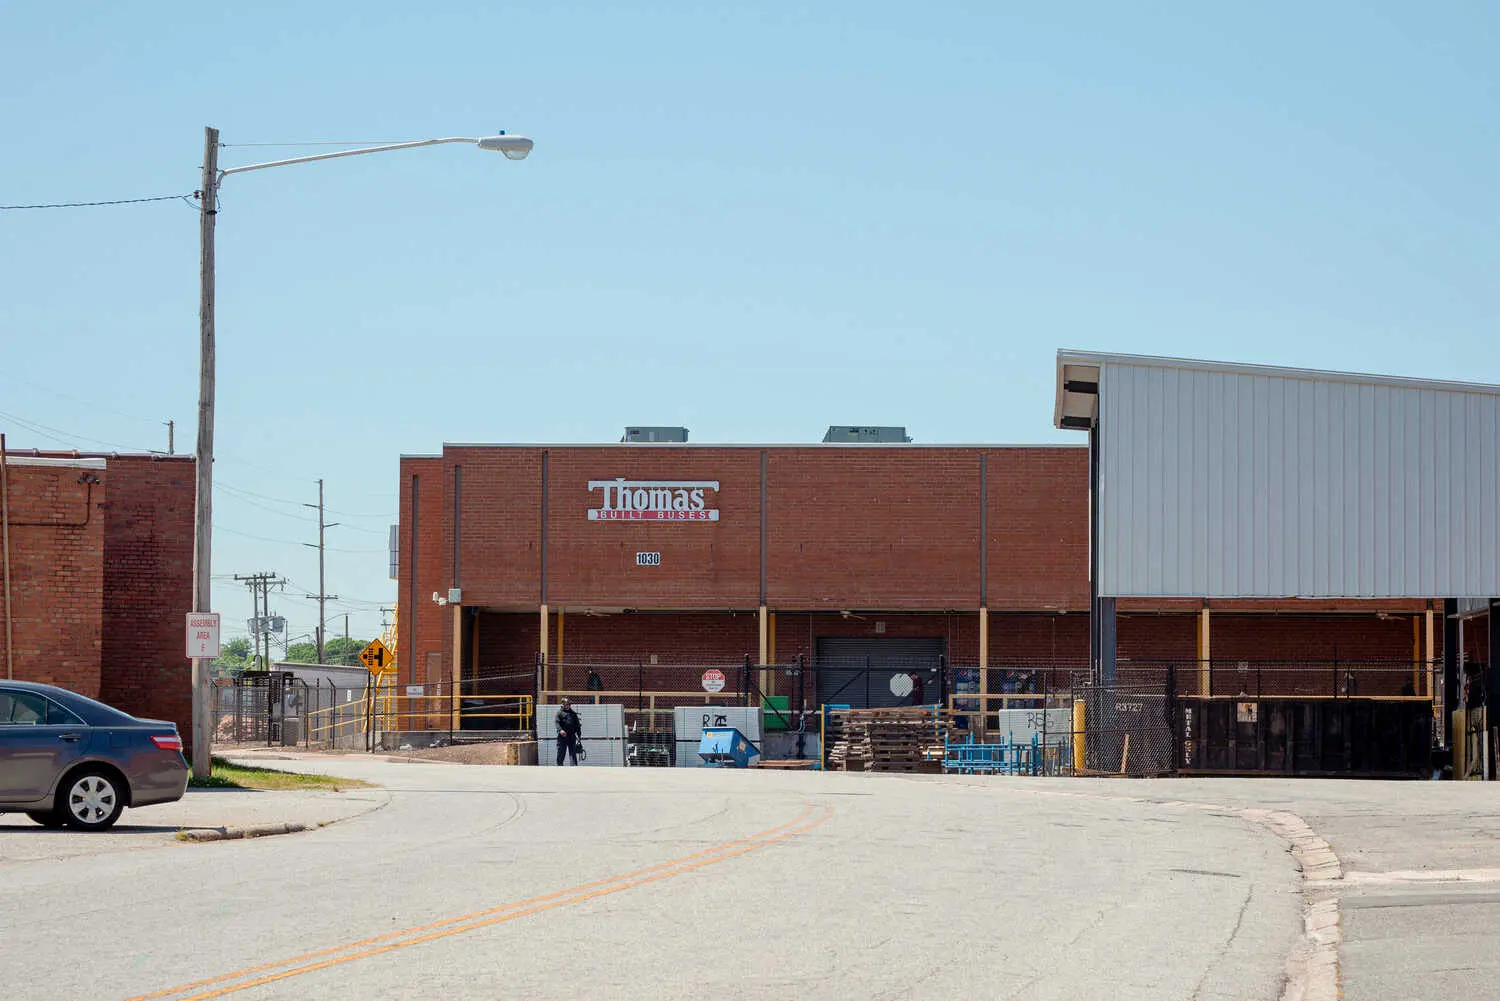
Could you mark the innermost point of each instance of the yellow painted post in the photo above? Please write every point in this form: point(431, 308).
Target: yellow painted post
point(1431, 665)
point(458, 663)
point(984, 671)
point(542, 647)
point(1205, 653)
point(1078, 721)
point(765, 649)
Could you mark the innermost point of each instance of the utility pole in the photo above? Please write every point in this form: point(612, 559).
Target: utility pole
point(208, 208)
point(260, 597)
point(346, 638)
point(323, 596)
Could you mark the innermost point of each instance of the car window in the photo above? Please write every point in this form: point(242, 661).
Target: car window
point(58, 715)
point(22, 709)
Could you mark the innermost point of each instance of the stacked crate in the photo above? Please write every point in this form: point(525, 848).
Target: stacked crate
point(889, 740)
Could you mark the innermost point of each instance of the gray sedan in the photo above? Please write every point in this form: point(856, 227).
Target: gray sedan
point(68, 760)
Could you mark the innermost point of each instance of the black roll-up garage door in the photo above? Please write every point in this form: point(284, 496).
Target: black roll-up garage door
point(869, 673)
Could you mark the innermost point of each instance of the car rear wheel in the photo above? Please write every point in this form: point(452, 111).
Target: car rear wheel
point(92, 801)
point(50, 819)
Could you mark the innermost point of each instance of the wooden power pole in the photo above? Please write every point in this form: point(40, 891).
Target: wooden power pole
point(208, 198)
point(323, 596)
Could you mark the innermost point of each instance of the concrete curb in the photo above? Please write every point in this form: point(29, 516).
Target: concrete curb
point(1312, 970)
point(201, 834)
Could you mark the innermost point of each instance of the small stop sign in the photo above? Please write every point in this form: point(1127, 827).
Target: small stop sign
point(713, 680)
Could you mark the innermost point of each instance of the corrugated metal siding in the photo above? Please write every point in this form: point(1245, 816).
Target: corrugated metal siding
point(1218, 484)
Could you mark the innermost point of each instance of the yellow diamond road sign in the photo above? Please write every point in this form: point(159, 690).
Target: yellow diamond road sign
point(377, 657)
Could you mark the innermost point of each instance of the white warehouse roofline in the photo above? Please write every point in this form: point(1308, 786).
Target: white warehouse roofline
point(1083, 366)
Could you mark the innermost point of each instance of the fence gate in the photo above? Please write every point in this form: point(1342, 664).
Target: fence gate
point(1127, 729)
point(247, 707)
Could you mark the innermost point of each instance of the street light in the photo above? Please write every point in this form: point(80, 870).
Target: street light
point(514, 148)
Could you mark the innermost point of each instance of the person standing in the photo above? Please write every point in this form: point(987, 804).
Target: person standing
point(569, 733)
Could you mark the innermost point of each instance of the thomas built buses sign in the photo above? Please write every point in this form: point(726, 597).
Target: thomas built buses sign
point(655, 500)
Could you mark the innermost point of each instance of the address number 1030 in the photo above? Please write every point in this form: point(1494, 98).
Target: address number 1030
point(648, 559)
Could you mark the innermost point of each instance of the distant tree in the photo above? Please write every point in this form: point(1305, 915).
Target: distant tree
point(234, 656)
point(341, 651)
point(302, 653)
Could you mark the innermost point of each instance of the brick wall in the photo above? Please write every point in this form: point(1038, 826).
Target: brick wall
point(500, 524)
point(874, 528)
point(57, 573)
point(1477, 640)
point(148, 587)
point(884, 533)
point(508, 641)
point(681, 638)
point(1039, 529)
point(846, 528)
point(425, 628)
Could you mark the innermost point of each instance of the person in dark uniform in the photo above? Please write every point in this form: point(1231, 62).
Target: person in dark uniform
point(569, 733)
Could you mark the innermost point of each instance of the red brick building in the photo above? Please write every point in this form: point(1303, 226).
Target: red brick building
point(100, 559)
point(664, 554)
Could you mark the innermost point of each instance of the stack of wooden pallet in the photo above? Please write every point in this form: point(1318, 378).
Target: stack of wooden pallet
point(889, 740)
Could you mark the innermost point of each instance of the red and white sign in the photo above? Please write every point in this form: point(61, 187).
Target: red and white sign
point(203, 635)
point(654, 500)
point(713, 680)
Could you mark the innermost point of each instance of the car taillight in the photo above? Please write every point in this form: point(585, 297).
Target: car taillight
point(167, 741)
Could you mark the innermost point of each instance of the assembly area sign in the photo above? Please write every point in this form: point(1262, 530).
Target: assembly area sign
point(202, 635)
point(654, 500)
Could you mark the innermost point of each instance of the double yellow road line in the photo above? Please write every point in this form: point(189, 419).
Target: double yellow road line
point(310, 962)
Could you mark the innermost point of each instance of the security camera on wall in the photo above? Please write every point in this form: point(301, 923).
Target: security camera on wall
point(438, 599)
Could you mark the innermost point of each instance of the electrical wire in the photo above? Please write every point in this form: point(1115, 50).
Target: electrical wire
point(66, 437)
point(290, 542)
point(88, 205)
point(241, 491)
point(80, 401)
point(271, 510)
point(258, 538)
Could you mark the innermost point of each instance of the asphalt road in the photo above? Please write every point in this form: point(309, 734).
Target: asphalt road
point(476, 882)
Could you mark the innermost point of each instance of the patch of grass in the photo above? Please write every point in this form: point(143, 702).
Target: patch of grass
point(229, 775)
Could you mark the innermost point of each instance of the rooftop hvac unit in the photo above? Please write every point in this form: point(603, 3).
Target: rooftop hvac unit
point(867, 435)
point(642, 434)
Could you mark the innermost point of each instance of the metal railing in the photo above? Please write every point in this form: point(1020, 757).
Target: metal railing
point(402, 713)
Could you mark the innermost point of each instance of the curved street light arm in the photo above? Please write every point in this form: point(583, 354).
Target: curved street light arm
point(341, 153)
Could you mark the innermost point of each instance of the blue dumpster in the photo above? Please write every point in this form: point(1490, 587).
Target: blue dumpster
point(726, 747)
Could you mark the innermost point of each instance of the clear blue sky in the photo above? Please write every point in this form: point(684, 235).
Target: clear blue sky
point(754, 220)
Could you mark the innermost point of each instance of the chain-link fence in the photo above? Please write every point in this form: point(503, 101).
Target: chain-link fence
point(649, 692)
point(1018, 716)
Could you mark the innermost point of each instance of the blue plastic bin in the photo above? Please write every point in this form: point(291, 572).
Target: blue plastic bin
point(726, 747)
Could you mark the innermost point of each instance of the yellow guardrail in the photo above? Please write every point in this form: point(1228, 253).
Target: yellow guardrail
point(330, 722)
point(383, 709)
point(443, 712)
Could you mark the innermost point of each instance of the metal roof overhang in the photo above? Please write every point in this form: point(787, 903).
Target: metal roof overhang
point(1076, 405)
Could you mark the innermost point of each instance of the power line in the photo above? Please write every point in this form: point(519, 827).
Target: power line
point(257, 538)
point(251, 493)
point(79, 400)
point(88, 205)
point(65, 437)
point(289, 542)
point(270, 510)
point(242, 492)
